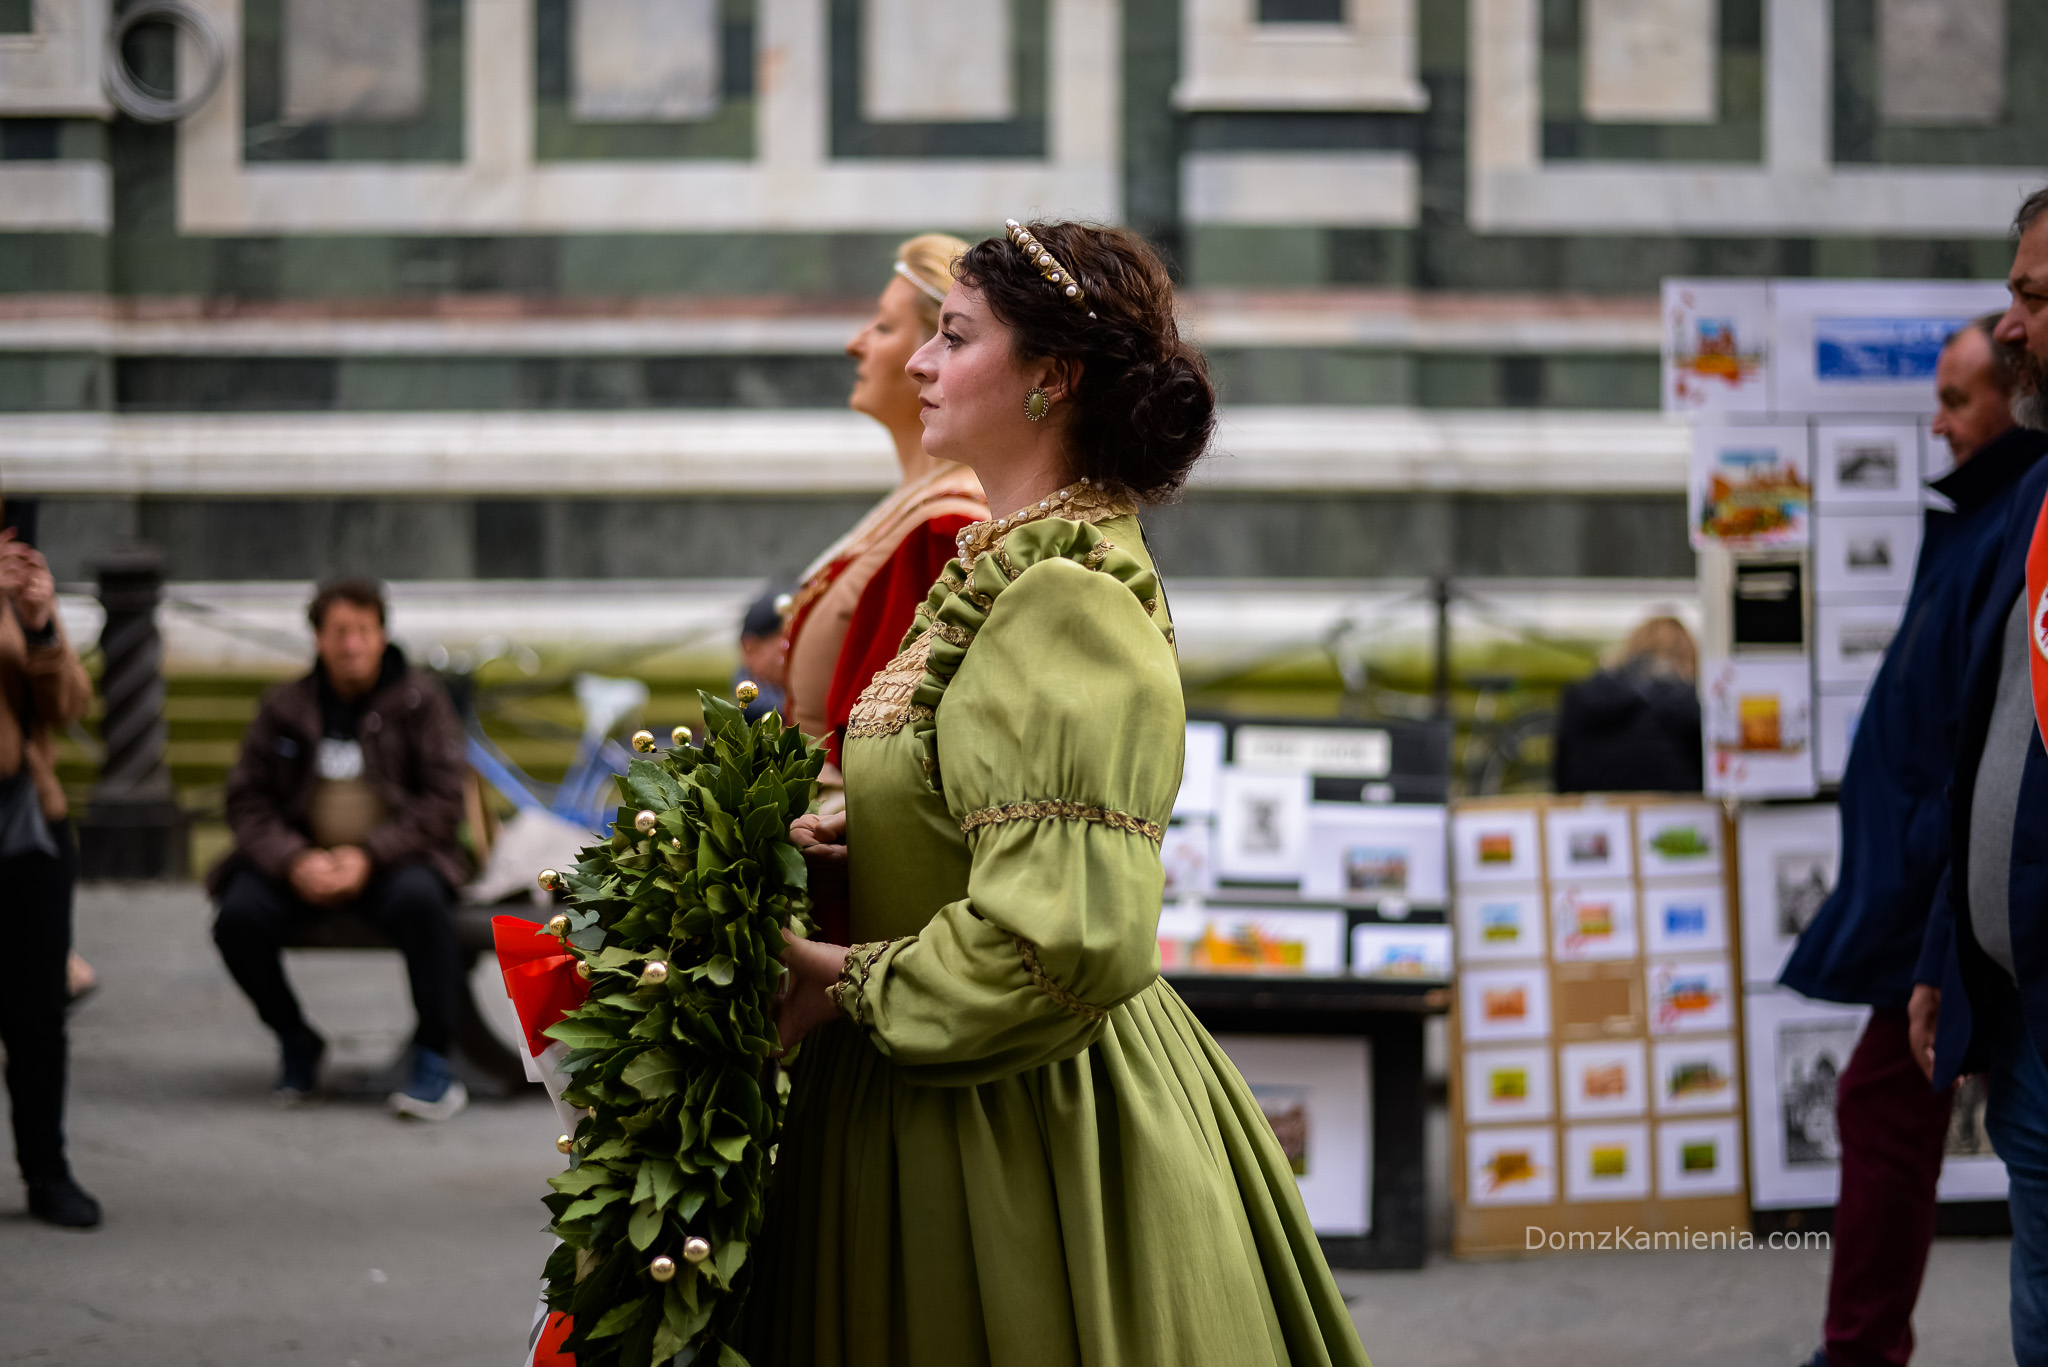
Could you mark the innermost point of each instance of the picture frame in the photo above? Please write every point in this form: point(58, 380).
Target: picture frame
point(1498, 1005)
point(1600, 1079)
point(1500, 923)
point(1200, 770)
point(1693, 1076)
point(1851, 640)
point(1496, 845)
point(1794, 1050)
point(1376, 853)
point(1589, 843)
point(1757, 715)
point(1836, 714)
point(1507, 1086)
point(1316, 1093)
point(1699, 1157)
point(1511, 1166)
point(1749, 487)
point(1685, 918)
point(1786, 869)
point(1262, 825)
point(1689, 994)
point(1865, 554)
point(1592, 922)
point(1187, 854)
point(1227, 939)
point(1866, 467)
point(1418, 951)
point(1607, 1162)
point(1678, 839)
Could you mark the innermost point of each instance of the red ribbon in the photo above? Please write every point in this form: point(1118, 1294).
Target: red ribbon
point(541, 979)
point(549, 1351)
point(2037, 619)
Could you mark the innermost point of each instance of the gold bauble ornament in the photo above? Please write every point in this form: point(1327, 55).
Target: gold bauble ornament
point(696, 1249)
point(747, 691)
point(676, 844)
point(785, 604)
point(643, 741)
point(679, 737)
point(654, 975)
point(662, 1269)
point(583, 969)
point(644, 823)
point(565, 1144)
point(558, 927)
point(550, 880)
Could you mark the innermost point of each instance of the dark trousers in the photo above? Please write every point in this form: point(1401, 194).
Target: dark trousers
point(408, 904)
point(1892, 1126)
point(33, 996)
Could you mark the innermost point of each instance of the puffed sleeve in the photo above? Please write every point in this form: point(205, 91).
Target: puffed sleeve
point(1060, 741)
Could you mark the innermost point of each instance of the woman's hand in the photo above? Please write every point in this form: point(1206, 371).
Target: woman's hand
point(821, 838)
point(25, 576)
point(813, 969)
point(1923, 1022)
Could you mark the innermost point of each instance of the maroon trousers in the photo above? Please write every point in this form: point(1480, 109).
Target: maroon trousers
point(1892, 1126)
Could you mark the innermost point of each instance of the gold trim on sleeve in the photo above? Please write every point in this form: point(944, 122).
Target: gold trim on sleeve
point(884, 706)
point(1042, 980)
point(1056, 810)
point(849, 994)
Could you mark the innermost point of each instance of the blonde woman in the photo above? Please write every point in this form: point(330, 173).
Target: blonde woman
point(855, 601)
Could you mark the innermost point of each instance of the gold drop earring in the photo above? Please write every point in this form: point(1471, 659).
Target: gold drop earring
point(1037, 403)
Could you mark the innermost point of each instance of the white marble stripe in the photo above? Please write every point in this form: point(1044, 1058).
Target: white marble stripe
point(1300, 189)
point(786, 452)
point(56, 197)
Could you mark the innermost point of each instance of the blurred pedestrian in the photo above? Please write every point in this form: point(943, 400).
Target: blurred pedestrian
point(1980, 988)
point(42, 687)
point(346, 798)
point(1861, 945)
point(764, 654)
point(1634, 727)
point(854, 604)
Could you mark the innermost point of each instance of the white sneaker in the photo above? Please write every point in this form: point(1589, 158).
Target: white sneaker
point(449, 1106)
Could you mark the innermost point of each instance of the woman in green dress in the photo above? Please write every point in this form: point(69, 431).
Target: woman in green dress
point(1009, 1141)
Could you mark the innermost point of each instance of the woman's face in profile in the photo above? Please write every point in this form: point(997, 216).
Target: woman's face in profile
point(969, 382)
point(881, 389)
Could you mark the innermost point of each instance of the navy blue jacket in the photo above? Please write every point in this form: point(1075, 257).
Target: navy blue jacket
point(1861, 946)
point(1950, 956)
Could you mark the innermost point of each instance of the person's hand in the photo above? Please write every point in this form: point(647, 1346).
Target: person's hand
point(822, 839)
point(1923, 1016)
point(351, 871)
point(314, 877)
point(25, 576)
point(804, 1005)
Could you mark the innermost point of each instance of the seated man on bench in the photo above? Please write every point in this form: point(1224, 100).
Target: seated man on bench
point(347, 796)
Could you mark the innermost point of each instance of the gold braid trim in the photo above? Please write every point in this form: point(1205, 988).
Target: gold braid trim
point(1054, 809)
point(1042, 980)
point(884, 706)
point(946, 631)
point(849, 994)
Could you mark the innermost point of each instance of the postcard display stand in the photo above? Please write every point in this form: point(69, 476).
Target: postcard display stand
point(1811, 446)
point(1304, 925)
point(1595, 1074)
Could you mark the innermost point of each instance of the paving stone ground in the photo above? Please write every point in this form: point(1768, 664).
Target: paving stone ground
point(238, 1234)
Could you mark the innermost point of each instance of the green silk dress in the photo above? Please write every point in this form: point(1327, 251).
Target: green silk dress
point(1018, 1148)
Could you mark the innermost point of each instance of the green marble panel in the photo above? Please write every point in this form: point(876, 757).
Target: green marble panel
point(435, 136)
point(1310, 375)
point(727, 134)
point(51, 382)
point(1023, 135)
point(1736, 135)
point(17, 16)
point(2017, 139)
point(1219, 256)
point(52, 263)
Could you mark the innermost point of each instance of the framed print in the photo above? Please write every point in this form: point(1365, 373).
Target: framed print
point(1602, 1078)
point(1852, 639)
point(1507, 1085)
point(1511, 1167)
point(1699, 1157)
point(1795, 1051)
point(1689, 918)
point(1593, 921)
point(1589, 842)
point(1757, 716)
point(1871, 553)
point(1716, 344)
point(1786, 870)
point(1689, 996)
point(1420, 950)
point(1503, 1004)
point(1867, 348)
point(1187, 854)
point(1200, 770)
point(1316, 1092)
point(1371, 853)
point(1505, 923)
point(1262, 828)
point(1678, 839)
point(1692, 1076)
point(1749, 487)
point(1970, 1170)
point(1606, 1162)
point(1223, 939)
point(1496, 845)
point(1837, 713)
point(1866, 467)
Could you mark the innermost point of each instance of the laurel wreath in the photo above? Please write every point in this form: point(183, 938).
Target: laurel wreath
point(676, 920)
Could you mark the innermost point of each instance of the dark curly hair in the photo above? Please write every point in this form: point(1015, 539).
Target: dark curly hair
point(1144, 408)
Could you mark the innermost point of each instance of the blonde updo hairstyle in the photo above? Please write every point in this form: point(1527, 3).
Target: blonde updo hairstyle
point(930, 257)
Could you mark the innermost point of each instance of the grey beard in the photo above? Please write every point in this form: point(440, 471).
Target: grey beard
point(2030, 409)
point(2030, 380)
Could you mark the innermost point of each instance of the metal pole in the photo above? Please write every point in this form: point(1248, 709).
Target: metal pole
point(132, 827)
point(1440, 592)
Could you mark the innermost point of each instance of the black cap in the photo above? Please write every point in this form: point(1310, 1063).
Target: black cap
point(762, 619)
